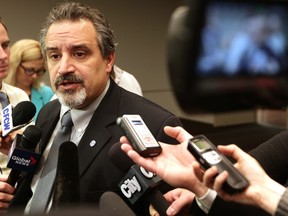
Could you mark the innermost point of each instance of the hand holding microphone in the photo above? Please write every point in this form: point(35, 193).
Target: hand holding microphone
point(6, 194)
point(14, 119)
point(17, 117)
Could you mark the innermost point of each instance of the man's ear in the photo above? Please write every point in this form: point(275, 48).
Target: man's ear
point(110, 62)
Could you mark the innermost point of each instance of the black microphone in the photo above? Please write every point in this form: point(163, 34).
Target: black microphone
point(22, 155)
point(112, 204)
point(17, 117)
point(138, 183)
point(67, 180)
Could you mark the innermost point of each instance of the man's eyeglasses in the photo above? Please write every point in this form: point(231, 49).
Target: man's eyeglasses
point(31, 71)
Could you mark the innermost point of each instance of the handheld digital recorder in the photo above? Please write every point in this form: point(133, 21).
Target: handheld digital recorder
point(207, 155)
point(139, 135)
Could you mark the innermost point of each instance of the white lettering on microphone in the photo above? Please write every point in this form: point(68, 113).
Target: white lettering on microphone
point(146, 173)
point(21, 161)
point(6, 119)
point(130, 186)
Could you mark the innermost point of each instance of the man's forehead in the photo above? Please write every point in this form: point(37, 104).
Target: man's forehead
point(70, 46)
point(67, 26)
point(71, 34)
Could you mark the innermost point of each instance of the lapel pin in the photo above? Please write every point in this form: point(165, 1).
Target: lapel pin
point(92, 143)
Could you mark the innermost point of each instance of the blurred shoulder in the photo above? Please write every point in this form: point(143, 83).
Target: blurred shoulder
point(15, 94)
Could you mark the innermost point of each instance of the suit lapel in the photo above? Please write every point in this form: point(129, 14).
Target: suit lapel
point(49, 124)
point(97, 135)
point(93, 140)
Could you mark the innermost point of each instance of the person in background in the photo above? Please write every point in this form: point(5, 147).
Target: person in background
point(79, 46)
point(13, 94)
point(126, 80)
point(27, 66)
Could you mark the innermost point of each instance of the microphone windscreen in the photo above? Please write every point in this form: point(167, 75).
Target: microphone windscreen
point(67, 181)
point(112, 204)
point(23, 112)
point(31, 136)
point(119, 158)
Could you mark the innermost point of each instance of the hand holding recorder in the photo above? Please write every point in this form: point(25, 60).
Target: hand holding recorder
point(207, 155)
point(173, 165)
point(262, 191)
point(139, 135)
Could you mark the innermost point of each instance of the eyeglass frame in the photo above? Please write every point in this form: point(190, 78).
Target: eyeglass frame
point(31, 71)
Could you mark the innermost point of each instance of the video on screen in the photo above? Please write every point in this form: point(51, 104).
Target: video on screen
point(240, 38)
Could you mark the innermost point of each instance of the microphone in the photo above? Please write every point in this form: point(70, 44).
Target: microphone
point(22, 155)
point(138, 183)
point(17, 117)
point(112, 204)
point(67, 180)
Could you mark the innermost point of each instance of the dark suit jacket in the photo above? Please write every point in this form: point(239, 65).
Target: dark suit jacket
point(97, 173)
point(273, 157)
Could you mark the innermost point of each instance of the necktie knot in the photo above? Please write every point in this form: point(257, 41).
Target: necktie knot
point(66, 120)
point(4, 100)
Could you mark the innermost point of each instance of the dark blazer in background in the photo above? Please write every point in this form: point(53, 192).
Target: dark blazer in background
point(97, 173)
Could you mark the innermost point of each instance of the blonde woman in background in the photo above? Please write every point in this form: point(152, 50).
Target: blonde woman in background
point(27, 66)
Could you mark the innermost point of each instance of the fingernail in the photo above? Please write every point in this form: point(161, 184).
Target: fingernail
point(170, 211)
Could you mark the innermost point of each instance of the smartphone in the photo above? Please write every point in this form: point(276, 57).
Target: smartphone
point(207, 155)
point(139, 135)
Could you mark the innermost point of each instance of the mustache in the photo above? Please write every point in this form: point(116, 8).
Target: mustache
point(68, 78)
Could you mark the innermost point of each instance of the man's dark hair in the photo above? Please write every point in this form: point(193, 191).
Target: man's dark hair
point(74, 11)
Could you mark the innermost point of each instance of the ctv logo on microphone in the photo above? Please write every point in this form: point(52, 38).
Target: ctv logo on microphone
point(136, 182)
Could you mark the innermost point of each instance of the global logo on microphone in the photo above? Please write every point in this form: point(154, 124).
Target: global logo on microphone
point(23, 160)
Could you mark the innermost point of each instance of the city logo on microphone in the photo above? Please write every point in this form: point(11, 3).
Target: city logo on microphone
point(136, 182)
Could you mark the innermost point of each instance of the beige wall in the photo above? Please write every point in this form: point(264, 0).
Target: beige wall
point(140, 27)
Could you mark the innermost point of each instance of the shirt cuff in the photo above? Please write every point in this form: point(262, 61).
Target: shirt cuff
point(205, 202)
point(282, 207)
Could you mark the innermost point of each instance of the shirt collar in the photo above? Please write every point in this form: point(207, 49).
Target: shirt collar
point(81, 117)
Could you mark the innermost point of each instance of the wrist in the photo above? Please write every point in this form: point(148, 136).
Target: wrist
point(205, 202)
point(267, 196)
point(199, 189)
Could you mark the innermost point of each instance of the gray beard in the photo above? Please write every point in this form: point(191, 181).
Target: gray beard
point(72, 99)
